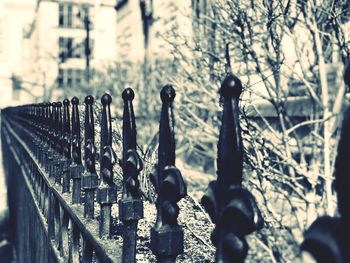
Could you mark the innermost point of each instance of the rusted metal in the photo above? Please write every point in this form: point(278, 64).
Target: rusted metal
point(130, 205)
point(232, 208)
point(167, 235)
point(107, 190)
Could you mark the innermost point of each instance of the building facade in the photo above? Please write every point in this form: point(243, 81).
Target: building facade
point(14, 15)
point(65, 42)
point(143, 27)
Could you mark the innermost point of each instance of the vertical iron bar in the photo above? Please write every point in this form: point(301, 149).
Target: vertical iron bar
point(167, 234)
point(74, 244)
point(66, 147)
point(130, 206)
point(107, 191)
point(232, 208)
point(76, 168)
point(58, 144)
point(89, 177)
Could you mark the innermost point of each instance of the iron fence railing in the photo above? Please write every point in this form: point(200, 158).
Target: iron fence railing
point(54, 189)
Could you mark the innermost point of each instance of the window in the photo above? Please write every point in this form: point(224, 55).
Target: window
point(72, 15)
point(78, 77)
point(61, 15)
point(69, 15)
point(78, 50)
point(72, 48)
point(65, 48)
point(65, 17)
point(70, 78)
point(60, 78)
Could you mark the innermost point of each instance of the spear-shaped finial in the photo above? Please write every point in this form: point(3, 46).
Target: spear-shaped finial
point(49, 156)
point(90, 178)
point(89, 134)
point(129, 125)
point(107, 191)
point(66, 147)
point(167, 235)
point(76, 143)
point(130, 206)
point(53, 125)
point(166, 151)
point(58, 143)
point(230, 149)
point(232, 208)
point(58, 126)
point(76, 168)
point(45, 148)
point(66, 130)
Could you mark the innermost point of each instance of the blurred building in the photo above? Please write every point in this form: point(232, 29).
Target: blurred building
point(144, 26)
point(65, 42)
point(14, 15)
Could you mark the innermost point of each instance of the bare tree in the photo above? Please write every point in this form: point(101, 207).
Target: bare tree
point(289, 55)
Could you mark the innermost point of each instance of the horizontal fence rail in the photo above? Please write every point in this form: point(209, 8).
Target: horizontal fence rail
point(62, 189)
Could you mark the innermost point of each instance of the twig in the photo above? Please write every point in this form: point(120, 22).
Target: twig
point(201, 208)
point(198, 237)
point(265, 247)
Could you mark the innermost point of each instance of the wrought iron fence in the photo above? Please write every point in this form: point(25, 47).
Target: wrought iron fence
point(54, 189)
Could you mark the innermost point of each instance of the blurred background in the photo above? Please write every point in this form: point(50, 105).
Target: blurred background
point(289, 55)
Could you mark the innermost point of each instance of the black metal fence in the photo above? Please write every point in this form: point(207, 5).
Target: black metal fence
point(54, 189)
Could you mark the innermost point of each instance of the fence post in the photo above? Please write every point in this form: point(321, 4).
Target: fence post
point(49, 153)
point(58, 137)
point(130, 206)
point(41, 133)
point(76, 168)
point(44, 132)
point(66, 150)
point(328, 238)
point(89, 178)
point(107, 191)
point(232, 208)
point(167, 235)
point(52, 140)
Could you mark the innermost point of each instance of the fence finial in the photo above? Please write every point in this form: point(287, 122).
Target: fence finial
point(130, 206)
point(51, 141)
point(76, 168)
point(232, 208)
point(66, 147)
point(230, 149)
point(76, 143)
point(166, 148)
point(107, 191)
point(58, 141)
point(45, 132)
point(167, 235)
point(89, 178)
